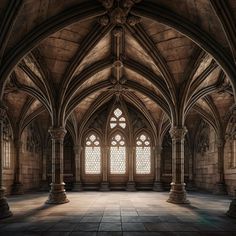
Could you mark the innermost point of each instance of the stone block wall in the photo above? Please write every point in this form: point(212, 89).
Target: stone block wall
point(206, 165)
point(230, 165)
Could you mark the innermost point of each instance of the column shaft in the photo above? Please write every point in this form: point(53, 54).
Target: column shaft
point(77, 185)
point(157, 185)
point(57, 194)
point(177, 192)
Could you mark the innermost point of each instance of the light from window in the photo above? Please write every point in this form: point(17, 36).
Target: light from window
point(6, 147)
point(117, 155)
point(92, 155)
point(143, 155)
point(117, 119)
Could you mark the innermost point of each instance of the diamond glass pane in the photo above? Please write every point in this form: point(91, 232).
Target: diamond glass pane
point(92, 155)
point(92, 160)
point(117, 160)
point(117, 112)
point(143, 155)
point(117, 155)
point(143, 160)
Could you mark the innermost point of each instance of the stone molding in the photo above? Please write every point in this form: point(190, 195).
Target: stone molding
point(57, 133)
point(178, 133)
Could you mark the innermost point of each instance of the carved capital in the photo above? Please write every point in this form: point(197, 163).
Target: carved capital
point(77, 149)
point(220, 143)
point(57, 133)
point(178, 132)
point(118, 31)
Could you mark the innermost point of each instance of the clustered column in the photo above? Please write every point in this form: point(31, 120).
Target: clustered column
point(4, 208)
point(157, 186)
point(57, 194)
point(17, 187)
point(220, 185)
point(177, 192)
point(77, 185)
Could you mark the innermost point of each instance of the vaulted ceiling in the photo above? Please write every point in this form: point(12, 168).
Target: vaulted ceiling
point(174, 58)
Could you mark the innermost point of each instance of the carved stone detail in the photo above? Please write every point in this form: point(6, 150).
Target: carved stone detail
point(57, 133)
point(118, 12)
point(178, 133)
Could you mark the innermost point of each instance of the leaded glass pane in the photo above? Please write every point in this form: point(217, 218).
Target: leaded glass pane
point(117, 155)
point(92, 155)
point(117, 119)
point(143, 155)
point(117, 112)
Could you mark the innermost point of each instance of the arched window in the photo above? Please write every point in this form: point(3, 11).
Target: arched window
point(6, 147)
point(117, 155)
point(143, 154)
point(92, 155)
point(117, 119)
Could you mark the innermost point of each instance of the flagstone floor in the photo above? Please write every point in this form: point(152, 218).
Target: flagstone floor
point(119, 213)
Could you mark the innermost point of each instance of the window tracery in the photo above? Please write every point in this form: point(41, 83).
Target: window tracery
point(92, 155)
point(117, 119)
point(143, 154)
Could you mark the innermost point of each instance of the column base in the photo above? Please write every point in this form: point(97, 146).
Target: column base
point(44, 186)
point(158, 186)
point(57, 194)
point(178, 194)
point(104, 187)
point(77, 187)
point(220, 189)
point(191, 186)
point(130, 186)
point(4, 207)
point(17, 188)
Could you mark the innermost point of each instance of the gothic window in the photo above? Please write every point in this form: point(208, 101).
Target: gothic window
point(92, 155)
point(118, 155)
point(6, 147)
point(117, 119)
point(143, 154)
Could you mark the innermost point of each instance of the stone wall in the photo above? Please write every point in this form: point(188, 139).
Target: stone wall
point(8, 173)
point(206, 164)
point(230, 165)
point(31, 164)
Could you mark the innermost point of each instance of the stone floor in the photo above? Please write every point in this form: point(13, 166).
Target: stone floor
point(118, 213)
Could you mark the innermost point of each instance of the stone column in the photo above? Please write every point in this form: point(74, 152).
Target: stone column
point(220, 187)
point(177, 192)
point(44, 182)
point(105, 185)
point(4, 208)
point(77, 186)
point(17, 187)
point(57, 193)
point(131, 184)
point(157, 185)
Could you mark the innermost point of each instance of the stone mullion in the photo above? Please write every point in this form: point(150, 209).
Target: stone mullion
point(57, 194)
point(131, 184)
point(177, 192)
point(77, 186)
point(4, 208)
point(105, 155)
point(157, 186)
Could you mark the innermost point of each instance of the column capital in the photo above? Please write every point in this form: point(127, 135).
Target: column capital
point(178, 132)
point(220, 142)
point(57, 133)
point(77, 149)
